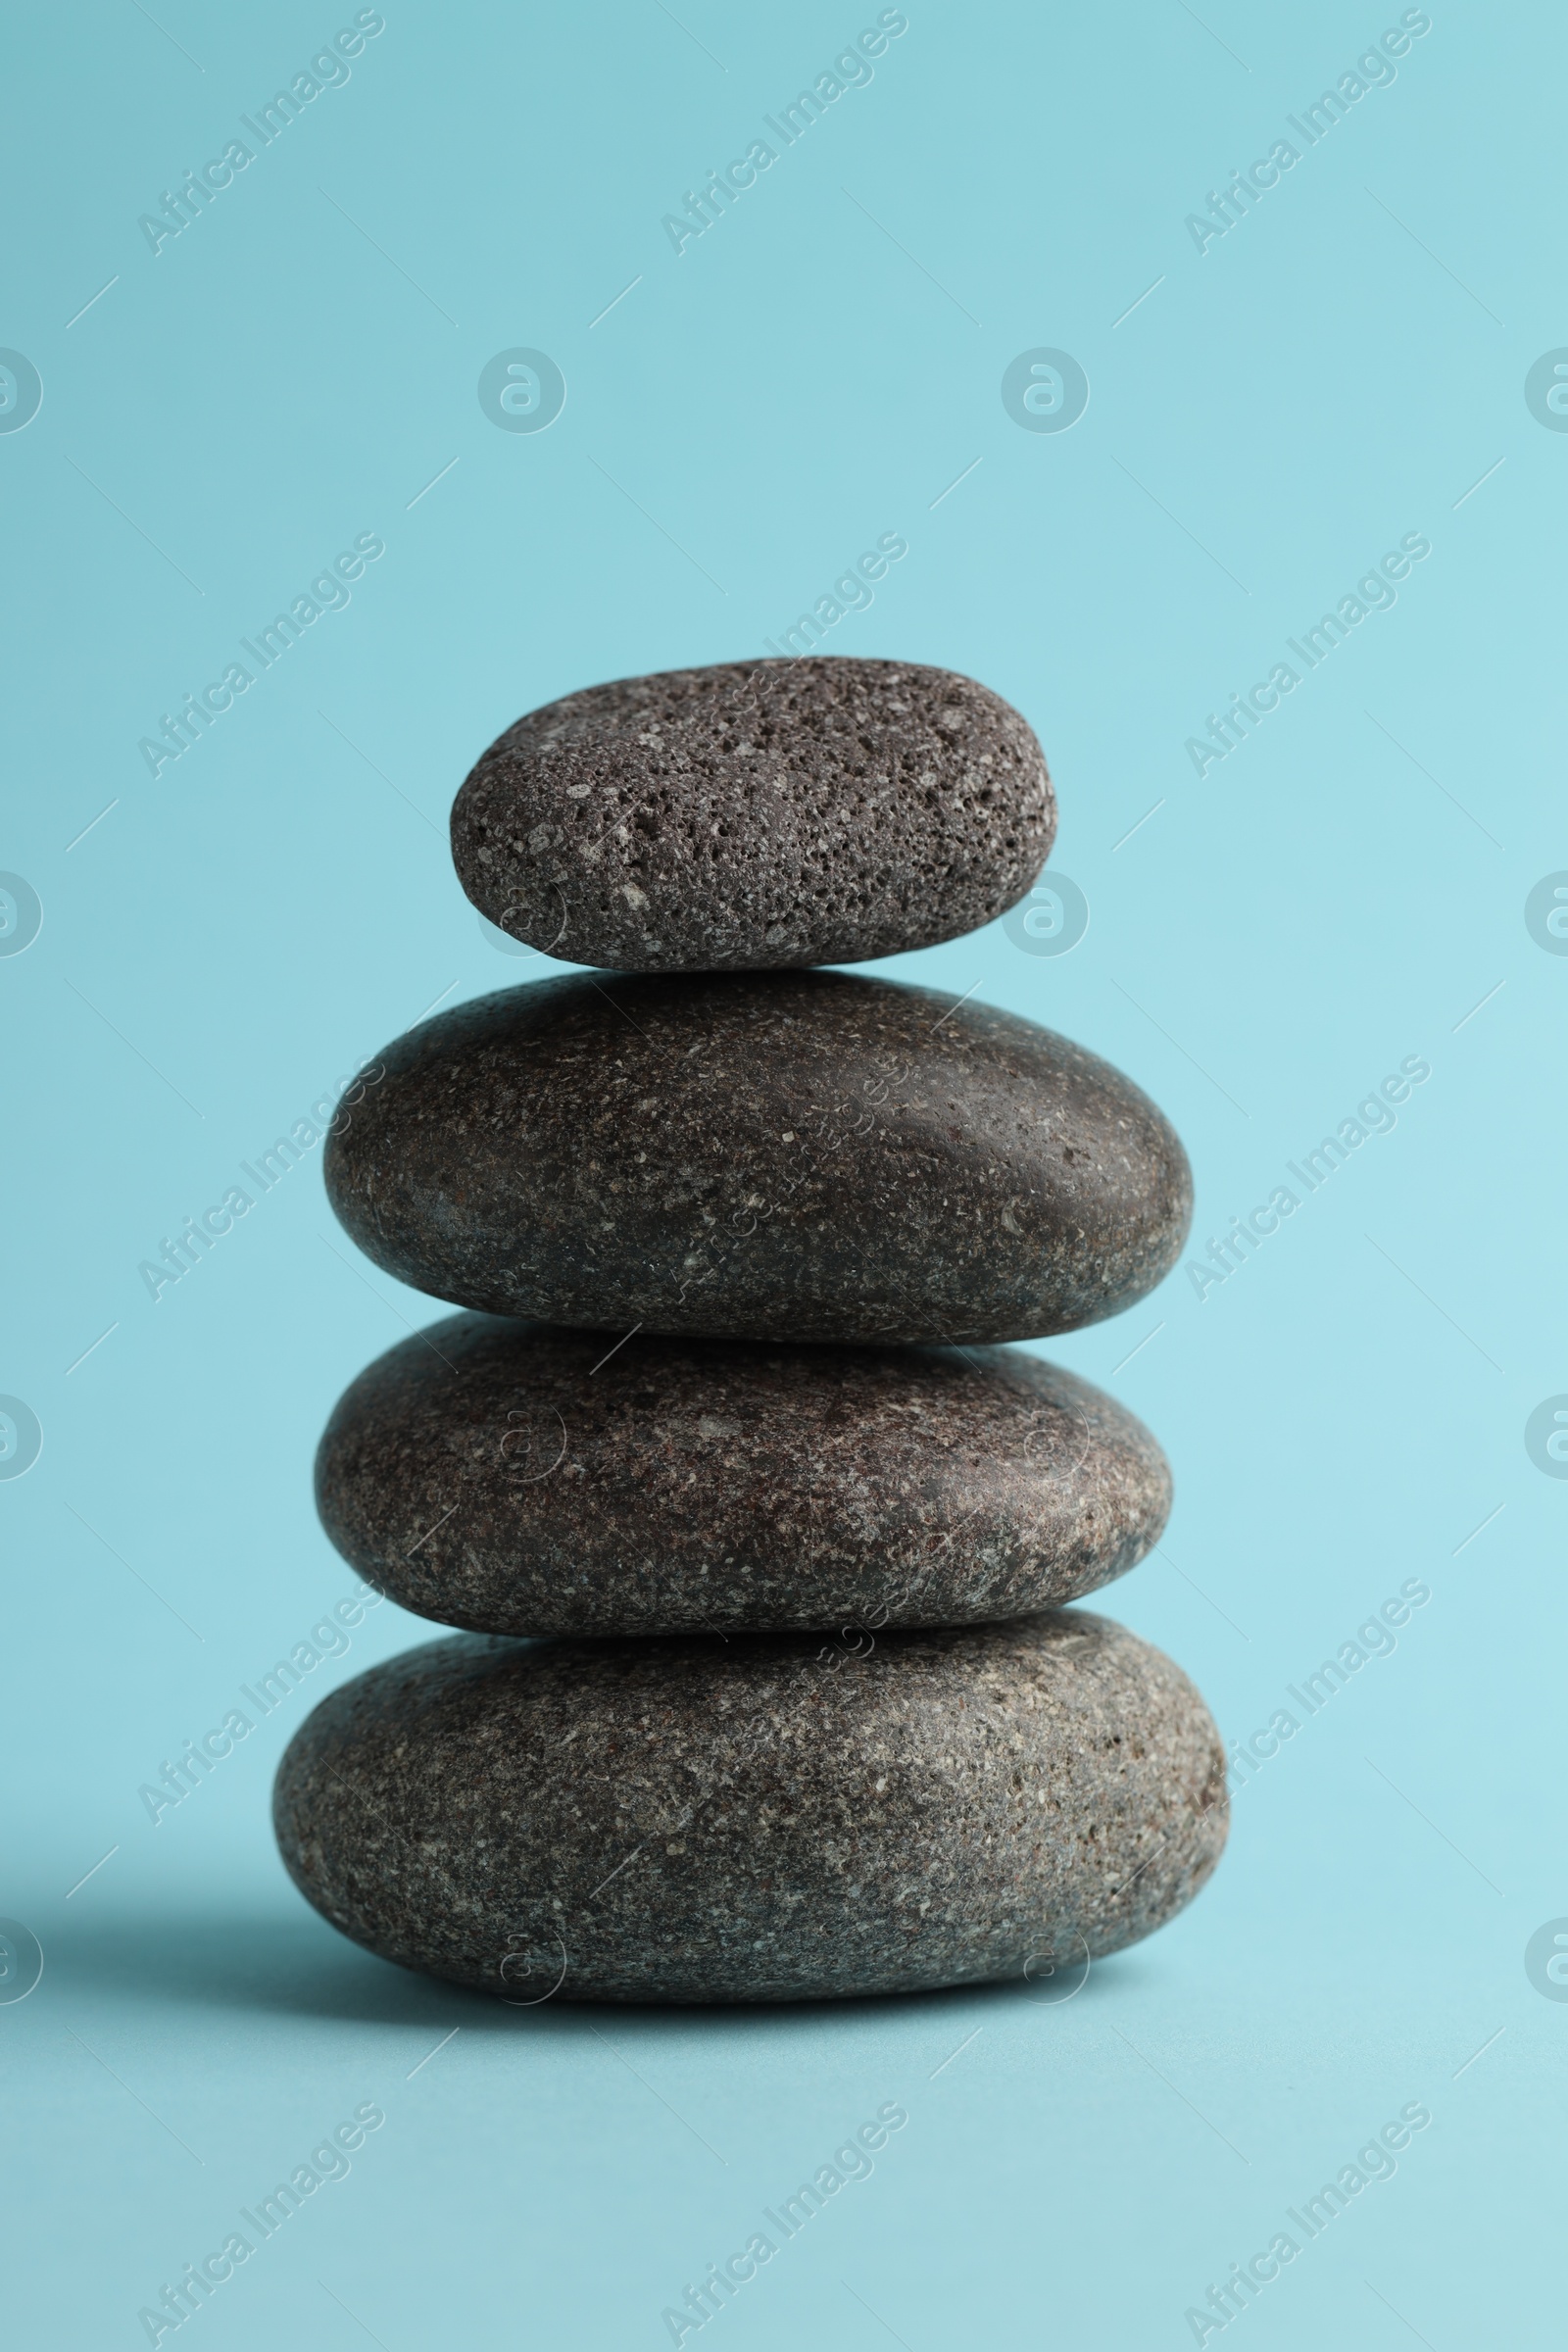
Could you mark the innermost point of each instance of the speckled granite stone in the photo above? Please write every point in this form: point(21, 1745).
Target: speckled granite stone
point(766, 1818)
point(500, 1476)
point(800, 1156)
point(758, 813)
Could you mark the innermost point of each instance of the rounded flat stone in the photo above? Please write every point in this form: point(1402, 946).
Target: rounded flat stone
point(800, 1156)
point(767, 1818)
point(513, 1479)
point(758, 813)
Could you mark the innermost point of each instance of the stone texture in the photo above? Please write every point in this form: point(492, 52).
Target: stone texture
point(799, 1155)
point(767, 1818)
point(500, 1476)
point(758, 813)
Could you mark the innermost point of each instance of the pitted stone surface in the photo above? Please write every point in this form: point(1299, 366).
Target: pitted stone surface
point(755, 815)
point(766, 1818)
point(790, 1155)
point(509, 1478)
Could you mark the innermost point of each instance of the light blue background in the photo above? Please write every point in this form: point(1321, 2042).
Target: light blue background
point(1337, 371)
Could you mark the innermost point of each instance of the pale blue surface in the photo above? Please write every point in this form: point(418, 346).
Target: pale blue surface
point(1342, 1413)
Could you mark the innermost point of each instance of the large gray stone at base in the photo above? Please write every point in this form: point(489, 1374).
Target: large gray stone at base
point(773, 1155)
point(766, 1818)
point(513, 1479)
point(756, 814)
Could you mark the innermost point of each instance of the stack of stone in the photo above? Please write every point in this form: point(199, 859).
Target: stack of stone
point(759, 1537)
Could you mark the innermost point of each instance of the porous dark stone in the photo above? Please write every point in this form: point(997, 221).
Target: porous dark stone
point(513, 1479)
point(781, 1155)
point(758, 813)
point(764, 1818)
